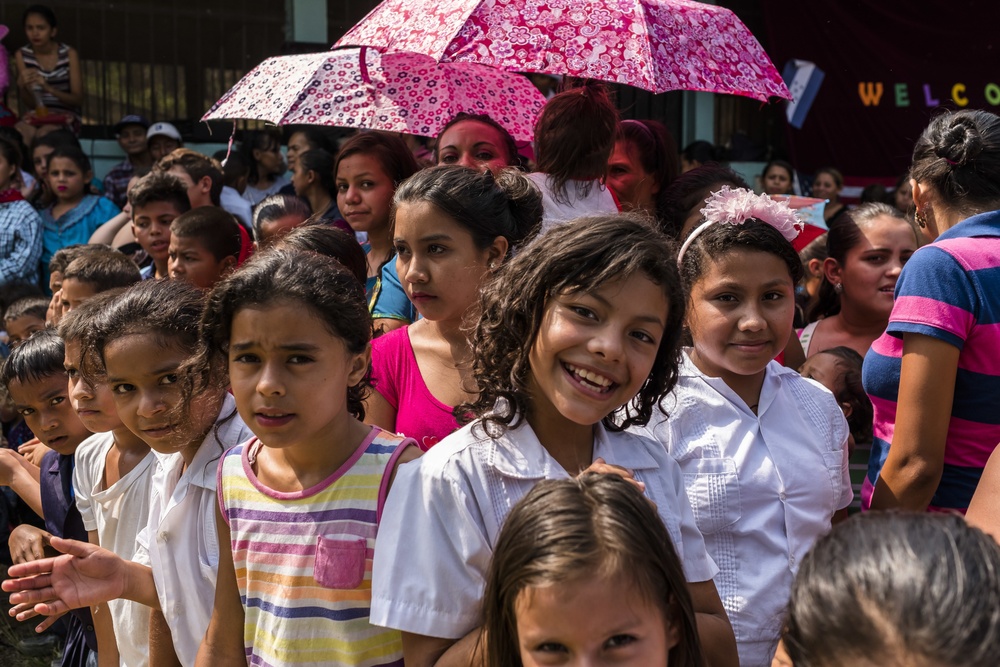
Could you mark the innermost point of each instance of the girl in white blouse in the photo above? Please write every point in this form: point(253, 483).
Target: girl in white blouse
point(572, 328)
point(763, 450)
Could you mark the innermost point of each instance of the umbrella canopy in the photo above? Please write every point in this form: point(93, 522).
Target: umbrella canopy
point(395, 92)
point(657, 45)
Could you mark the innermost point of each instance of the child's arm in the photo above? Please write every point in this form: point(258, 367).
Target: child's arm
point(28, 543)
point(22, 478)
point(379, 412)
point(83, 576)
point(423, 651)
point(107, 644)
point(718, 643)
point(223, 643)
point(107, 232)
point(161, 644)
point(33, 452)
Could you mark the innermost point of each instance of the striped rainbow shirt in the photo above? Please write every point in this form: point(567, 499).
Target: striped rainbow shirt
point(949, 290)
point(304, 560)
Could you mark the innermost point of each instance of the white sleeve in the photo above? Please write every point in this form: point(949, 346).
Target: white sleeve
point(84, 475)
point(698, 565)
point(431, 556)
point(847, 490)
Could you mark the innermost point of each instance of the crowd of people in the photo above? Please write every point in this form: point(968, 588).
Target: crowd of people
point(592, 403)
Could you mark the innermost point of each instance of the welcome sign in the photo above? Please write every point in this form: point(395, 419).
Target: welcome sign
point(889, 68)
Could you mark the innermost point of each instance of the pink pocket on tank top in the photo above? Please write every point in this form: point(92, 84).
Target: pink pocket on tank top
point(340, 561)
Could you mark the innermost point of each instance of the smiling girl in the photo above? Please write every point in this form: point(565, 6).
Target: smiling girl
point(763, 450)
point(577, 339)
point(453, 228)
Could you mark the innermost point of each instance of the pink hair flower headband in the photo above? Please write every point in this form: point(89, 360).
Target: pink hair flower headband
point(736, 206)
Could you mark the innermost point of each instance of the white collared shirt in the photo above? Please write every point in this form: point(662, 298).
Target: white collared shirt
point(763, 486)
point(181, 538)
point(117, 514)
point(445, 511)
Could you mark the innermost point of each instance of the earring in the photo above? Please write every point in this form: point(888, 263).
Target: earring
point(493, 266)
point(920, 219)
point(839, 288)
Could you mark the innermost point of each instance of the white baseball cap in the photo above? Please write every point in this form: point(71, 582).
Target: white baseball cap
point(166, 129)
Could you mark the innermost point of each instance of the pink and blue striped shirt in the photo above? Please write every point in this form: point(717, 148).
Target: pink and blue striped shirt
point(949, 290)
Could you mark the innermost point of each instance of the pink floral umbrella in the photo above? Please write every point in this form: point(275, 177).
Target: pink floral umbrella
point(395, 92)
point(657, 45)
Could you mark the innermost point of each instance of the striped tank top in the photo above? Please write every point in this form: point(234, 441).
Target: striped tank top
point(57, 77)
point(304, 560)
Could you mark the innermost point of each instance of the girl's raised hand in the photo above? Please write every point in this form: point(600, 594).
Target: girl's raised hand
point(83, 576)
point(602, 467)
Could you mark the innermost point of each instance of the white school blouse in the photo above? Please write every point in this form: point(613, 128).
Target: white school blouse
point(763, 486)
point(117, 513)
point(181, 542)
point(445, 511)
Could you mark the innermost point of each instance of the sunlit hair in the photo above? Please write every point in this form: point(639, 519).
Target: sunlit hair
point(324, 238)
point(958, 154)
point(594, 526)
point(579, 256)
point(319, 285)
point(77, 325)
point(890, 588)
point(488, 206)
point(574, 137)
point(720, 239)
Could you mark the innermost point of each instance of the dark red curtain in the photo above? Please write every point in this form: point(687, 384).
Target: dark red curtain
point(890, 66)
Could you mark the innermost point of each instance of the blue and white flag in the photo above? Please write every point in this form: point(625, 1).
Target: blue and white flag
point(803, 79)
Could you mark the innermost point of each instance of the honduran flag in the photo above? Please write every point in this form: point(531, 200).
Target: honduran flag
point(803, 79)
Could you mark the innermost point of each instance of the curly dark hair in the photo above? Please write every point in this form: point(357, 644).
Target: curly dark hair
point(282, 276)
point(578, 256)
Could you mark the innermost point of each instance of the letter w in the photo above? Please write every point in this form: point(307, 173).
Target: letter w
point(870, 92)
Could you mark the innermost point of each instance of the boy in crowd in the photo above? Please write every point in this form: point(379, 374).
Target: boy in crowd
point(204, 246)
point(156, 200)
point(131, 134)
point(93, 273)
point(205, 182)
point(37, 384)
point(161, 139)
point(24, 317)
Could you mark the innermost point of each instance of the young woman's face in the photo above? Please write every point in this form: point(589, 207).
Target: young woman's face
point(38, 30)
point(66, 179)
point(824, 187)
point(594, 350)
point(297, 144)
point(145, 382)
point(290, 375)
point(777, 181)
point(364, 193)
point(474, 144)
point(904, 196)
point(300, 179)
point(740, 314)
point(636, 188)
point(269, 159)
point(591, 622)
point(872, 267)
point(438, 263)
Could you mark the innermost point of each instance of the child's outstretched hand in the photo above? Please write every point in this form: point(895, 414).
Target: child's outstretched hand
point(33, 452)
point(28, 543)
point(602, 467)
point(83, 576)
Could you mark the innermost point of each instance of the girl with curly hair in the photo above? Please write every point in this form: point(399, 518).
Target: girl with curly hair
point(577, 340)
